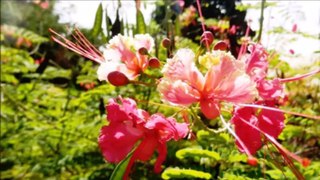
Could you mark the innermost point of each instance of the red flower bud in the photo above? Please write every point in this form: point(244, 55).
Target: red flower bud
point(294, 28)
point(221, 45)
point(305, 162)
point(206, 38)
point(143, 51)
point(117, 78)
point(154, 62)
point(291, 51)
point(252, 161)
point(166, 43)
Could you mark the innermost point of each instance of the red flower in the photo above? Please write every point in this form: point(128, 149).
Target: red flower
point(128, 125)
point(246, 119)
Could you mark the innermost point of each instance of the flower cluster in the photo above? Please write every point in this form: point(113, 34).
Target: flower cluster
point(129, 126)
point(123, 59)
point(220, 83)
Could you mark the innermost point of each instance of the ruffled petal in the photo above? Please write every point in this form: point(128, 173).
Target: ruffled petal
point(117, 140)
point(143, 41)
point(257, 62)
point(270, 89)
point(166, 128)
point(249, 136)
point(227, 81)
point(271, 122)
point(178, 92)
point(182, 67)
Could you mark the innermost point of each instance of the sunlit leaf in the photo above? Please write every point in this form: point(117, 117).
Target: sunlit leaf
point(97, 26)
point(141, 26)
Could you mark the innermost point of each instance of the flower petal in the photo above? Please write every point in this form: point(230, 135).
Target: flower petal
point(117, 140)
point(271, 122)
point(178, 92)
point(270, 89)
point(182, 67)
point(143, 41)
point(146, 148)
point(162, 150)
point(257, 62)
point(248, 135)
point(167, 128)
point(227, 81)
point(210, 108)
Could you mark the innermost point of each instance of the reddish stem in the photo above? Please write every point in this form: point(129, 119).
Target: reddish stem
point(202, 22)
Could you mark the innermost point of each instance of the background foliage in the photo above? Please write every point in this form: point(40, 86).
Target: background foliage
point(52, 106)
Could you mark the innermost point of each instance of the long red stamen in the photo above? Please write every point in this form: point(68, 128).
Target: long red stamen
point(202, 22)
point(244, 45)
point(285, 153)
point(279, 110)
point(83, 47)
point(201, 17)
point(300, 77)
point(246, 150)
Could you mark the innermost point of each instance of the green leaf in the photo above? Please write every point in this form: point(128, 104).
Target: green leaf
point(108, 25)
point(119, 171)
point(18, 32)
point(97, 22)
point(141, 25)
point(192, 152)
point(237, 158)
point(185, 174)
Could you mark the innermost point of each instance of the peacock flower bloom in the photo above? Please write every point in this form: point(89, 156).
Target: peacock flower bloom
point(128, 125)
point(121, 54)
point(226, 80)
point(251, 125)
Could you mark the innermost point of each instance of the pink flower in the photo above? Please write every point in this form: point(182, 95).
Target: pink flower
point(128, 125)
point(226, 80)
point(121, 54)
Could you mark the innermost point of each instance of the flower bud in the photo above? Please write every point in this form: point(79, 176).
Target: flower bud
point(221, 45)
point(117, 78)
point(252, 161)
point(166, 43)
point(206, 38)
point(154, 62)
point(305, 162)
point(143, 51)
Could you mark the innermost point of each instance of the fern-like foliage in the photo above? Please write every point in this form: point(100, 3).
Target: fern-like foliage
point(178, 173)
point(201, 153)
point(18, 32)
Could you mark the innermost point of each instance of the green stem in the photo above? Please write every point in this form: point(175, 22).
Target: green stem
point(200, 122)
point(261, 19)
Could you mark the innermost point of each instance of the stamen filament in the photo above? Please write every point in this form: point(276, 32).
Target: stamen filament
point(279, 110)
point(236, 136)
point(300, 77)
point(282, 150)
point(202, 22)
point(84, 48)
